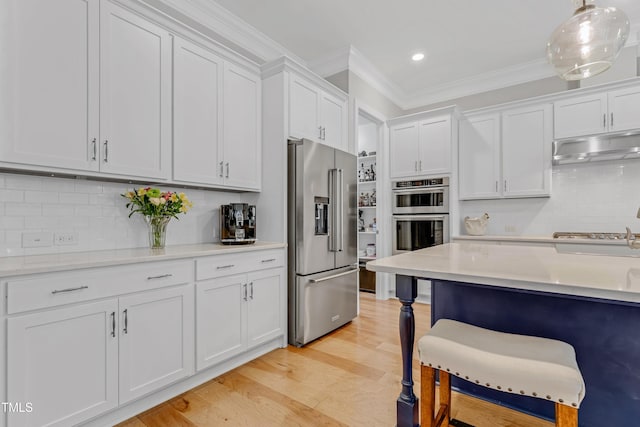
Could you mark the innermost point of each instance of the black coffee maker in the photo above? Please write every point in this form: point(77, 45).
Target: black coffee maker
point(237, 223)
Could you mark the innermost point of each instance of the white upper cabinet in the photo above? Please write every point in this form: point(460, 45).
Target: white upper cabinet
point(613, 111)
point(135, 95)
point(316, 114)
point(49, 85)
point(197, 114)
point(526, 151)
point(506, 154)
point(217, 120)
point(479, 157)
point(420, 147)
point(242, 151)
point(88, 90)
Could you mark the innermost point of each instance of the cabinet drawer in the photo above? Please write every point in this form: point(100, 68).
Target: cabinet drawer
point(50, 290)
point(226, 265)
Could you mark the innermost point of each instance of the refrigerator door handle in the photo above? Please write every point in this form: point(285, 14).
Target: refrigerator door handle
point(333, 201)
point(340, 211)
point(354, 270)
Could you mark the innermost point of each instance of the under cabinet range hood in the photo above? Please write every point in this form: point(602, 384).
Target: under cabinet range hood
point(596, 148)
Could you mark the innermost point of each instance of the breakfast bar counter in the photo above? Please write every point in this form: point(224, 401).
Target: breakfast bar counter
point(590, 301)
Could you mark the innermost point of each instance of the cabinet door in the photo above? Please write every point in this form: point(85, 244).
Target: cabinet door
point(526, 151)
point(624, 105)
point(404, 152)
point(583, 115)
point(435, 146)
point(135, 90)
point(304, 99)
point(156, 340)
point(197, 114)
point(266, 302)
point(242, 131)
point(479, 155)
point(333, 119)
point(64, 362)
point(49, 84)
point(221, 325)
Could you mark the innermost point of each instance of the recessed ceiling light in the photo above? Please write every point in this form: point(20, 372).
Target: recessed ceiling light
point(418, 56)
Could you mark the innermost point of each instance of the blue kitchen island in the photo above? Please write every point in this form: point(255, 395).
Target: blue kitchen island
point(589, 301)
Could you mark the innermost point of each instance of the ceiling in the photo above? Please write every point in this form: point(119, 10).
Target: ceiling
point(465, 41)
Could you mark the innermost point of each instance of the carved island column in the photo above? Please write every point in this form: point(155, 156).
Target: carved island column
point(407, 404)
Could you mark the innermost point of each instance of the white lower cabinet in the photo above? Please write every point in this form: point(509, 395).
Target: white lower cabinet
point(156, 340)
point(250, 306)
point(64, 362)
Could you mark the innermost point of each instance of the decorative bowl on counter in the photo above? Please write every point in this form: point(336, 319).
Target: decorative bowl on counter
point(476, 226)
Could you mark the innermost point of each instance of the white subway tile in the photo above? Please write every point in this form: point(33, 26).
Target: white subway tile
point(23, 182)
point(59, 185)
point(31, 196)
point(57, 210)
point(23, 209)
point(11, 222)
point(74, 198)
point(11, 195)
point(40, 222)
point(88, 211)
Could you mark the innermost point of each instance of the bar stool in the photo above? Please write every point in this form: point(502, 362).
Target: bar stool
point(518, 364)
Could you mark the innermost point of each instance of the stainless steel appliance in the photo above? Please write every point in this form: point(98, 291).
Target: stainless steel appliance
point(421, 214)
point(323, 292)
point(237, 223)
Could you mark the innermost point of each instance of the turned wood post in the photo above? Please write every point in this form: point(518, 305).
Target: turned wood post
point(407, 405)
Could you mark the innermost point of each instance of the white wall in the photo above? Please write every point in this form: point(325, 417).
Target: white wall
point(602, 196)
point(97, 212)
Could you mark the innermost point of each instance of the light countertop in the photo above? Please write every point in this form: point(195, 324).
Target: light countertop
point(539, 239)
point(18, 265)
point(539, 268)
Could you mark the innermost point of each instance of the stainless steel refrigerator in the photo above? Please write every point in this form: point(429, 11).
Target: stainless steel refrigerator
point(323, 291)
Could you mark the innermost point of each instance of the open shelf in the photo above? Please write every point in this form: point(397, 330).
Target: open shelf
point(367, 232)
point(366, 182)
point(367, 258)
point(367, 207)
point(364, 158)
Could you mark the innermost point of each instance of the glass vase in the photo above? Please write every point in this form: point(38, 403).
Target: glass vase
point(157, 230)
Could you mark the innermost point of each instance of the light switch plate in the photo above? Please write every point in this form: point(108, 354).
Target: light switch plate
point(37, 239)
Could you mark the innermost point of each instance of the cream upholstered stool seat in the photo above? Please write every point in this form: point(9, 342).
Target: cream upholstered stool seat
point(519, 364)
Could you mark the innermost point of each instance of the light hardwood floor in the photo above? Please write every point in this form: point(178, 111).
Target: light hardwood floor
point(350, 377)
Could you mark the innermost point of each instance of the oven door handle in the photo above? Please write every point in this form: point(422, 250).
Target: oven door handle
point(418, 190)
point(417, 217)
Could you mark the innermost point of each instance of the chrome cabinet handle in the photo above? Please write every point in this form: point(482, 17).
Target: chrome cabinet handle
point(604, 120)
point(221, 169)
point(60, 291)
point(106, 150)
point(220, 267)
point(113, 324)
point(126, 321)
point(324, 133)
point(419, 165)
point(505, 185)
point(162, 276)
point(227, 175)
point(251, 294)
point(269, 260)
point(95, 149)
point(611, 120)
point(496, 186)
point(245, 291)
point(319, 132)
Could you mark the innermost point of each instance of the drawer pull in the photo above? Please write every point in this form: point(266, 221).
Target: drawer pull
point(60, 291)
point(269, 260)
point(220, 267)
point(245, 291)
point(162, 276)
point(251, 293)
point(113, 324)
point(126, 321)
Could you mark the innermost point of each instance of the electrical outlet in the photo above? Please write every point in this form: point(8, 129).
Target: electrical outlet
point(67, 238)
point(37, 239)
point(510, 228)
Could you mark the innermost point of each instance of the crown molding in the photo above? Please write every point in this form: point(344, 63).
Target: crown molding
point(332, 64)
point(229, 28)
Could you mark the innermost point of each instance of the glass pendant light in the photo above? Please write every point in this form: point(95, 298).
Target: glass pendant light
point(589, 42)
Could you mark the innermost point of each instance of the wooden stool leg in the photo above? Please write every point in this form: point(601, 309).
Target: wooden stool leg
point(566, 416)
point(444, 413)
point(427, 395)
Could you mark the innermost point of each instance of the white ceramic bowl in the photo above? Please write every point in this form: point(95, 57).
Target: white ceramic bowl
point(476, 226)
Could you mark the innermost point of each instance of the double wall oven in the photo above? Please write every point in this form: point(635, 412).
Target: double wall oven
point(420, 214)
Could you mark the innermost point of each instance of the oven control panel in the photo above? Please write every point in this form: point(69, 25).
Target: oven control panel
point(432, 182)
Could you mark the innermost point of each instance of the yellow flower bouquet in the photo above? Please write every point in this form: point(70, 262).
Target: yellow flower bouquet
point(157, 207)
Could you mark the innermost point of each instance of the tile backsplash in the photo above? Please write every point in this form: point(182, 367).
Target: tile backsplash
point(96, 213)
point(600, 196)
